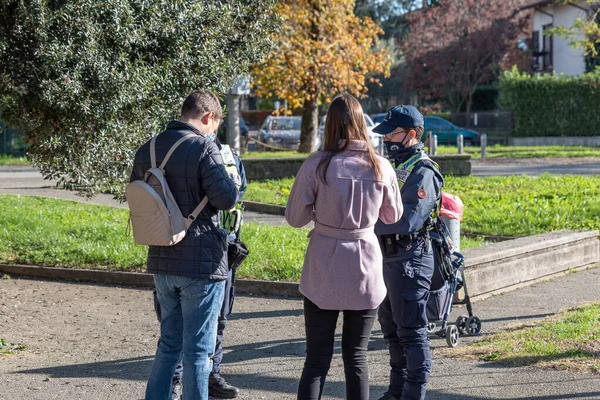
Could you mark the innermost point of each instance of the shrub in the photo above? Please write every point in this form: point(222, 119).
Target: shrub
point(552, 105)
point(89, 81)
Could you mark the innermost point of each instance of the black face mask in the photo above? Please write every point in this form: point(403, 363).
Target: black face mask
point(396, 150)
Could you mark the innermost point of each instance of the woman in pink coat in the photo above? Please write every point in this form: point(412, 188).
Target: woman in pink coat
point(344, 189)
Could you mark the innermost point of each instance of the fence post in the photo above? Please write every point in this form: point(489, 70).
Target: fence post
point(4, 132)
point(483, 146)
point(460, 143)
point(429, 141)
point(434, 145)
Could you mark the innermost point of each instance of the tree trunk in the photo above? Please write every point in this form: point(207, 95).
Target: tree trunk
point(310, 125)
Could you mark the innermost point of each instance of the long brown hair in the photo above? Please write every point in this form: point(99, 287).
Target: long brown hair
point(345, 121)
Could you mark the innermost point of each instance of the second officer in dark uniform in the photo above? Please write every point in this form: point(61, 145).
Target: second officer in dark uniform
point(408, 258)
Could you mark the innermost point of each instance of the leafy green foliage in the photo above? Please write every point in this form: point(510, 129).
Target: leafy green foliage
point(584, 33)
point(390, 15)
point(552, 105)
point(89, 81)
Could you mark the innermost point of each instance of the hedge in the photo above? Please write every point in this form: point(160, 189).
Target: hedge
point(551, 104)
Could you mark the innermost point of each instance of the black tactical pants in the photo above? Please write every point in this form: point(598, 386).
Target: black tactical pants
point(403, 320)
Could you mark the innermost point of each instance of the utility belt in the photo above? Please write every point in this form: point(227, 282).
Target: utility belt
point(391, 244)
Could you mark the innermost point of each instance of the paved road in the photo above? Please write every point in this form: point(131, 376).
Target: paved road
point(533, 167)
point(95, 342)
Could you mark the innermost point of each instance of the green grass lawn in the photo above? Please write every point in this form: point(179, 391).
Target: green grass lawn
point(50, 232)
point(10, 160)
point(569, 340)
point(500, 151)
point(495, 151)
point(511, 206)
point(273, 154)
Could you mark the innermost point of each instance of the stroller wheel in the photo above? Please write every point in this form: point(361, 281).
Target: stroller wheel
point(431, 327)
point(452, 335)
point(461, 324)
point(473, 326)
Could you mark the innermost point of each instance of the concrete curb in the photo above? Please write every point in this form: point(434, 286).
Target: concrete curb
point(490, 270)
point(264, 208)
point(143, 279)
point(278, 168)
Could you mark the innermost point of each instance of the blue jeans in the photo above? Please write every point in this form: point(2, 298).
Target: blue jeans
point(226, 308)
point(189, 310)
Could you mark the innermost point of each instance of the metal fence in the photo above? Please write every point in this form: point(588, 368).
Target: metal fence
point(11, 141)
point(496, 124)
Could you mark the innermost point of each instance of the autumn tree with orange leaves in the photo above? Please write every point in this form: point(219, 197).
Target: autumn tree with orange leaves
point(323, 49)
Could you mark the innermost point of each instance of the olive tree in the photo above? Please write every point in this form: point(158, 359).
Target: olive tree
point(88, 81)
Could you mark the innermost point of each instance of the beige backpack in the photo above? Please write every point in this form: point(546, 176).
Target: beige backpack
point(153, 211)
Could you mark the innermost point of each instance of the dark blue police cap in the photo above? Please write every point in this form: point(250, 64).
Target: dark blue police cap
point(400, 117)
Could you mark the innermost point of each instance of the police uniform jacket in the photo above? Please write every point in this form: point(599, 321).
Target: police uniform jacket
point(420, 194)
point(194, 170)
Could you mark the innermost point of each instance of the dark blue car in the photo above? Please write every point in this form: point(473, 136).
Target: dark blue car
point(445, 130)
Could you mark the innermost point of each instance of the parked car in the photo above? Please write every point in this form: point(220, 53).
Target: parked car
point(445, 130)
point(281, 132)
point(222, 131)
point(375, 138)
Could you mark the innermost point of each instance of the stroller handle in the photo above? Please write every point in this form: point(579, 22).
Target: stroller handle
point(459, 256)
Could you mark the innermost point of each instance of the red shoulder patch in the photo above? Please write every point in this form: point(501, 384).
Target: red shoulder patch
point(421, 193)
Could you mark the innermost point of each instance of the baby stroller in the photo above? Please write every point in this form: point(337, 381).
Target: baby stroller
point(448, 279)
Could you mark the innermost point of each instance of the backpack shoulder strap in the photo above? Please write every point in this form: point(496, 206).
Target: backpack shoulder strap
point(199, 207)
point(196, 212)
point(169, 153)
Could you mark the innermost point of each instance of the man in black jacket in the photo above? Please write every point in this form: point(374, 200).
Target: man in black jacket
point(189, 277)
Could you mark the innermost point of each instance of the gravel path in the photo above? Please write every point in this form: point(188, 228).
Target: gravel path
point(97, 342)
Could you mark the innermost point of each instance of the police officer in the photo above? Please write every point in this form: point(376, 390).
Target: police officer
point(408, 258)
point(230, 221)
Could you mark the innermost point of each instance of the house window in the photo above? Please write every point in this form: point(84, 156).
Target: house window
point(548, 50)
point(535, 41)
point(537, 62)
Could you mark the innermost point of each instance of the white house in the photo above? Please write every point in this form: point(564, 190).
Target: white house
point(555, 53)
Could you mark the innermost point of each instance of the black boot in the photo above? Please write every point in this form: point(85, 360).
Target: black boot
point(219, 388)
point(388, 396)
